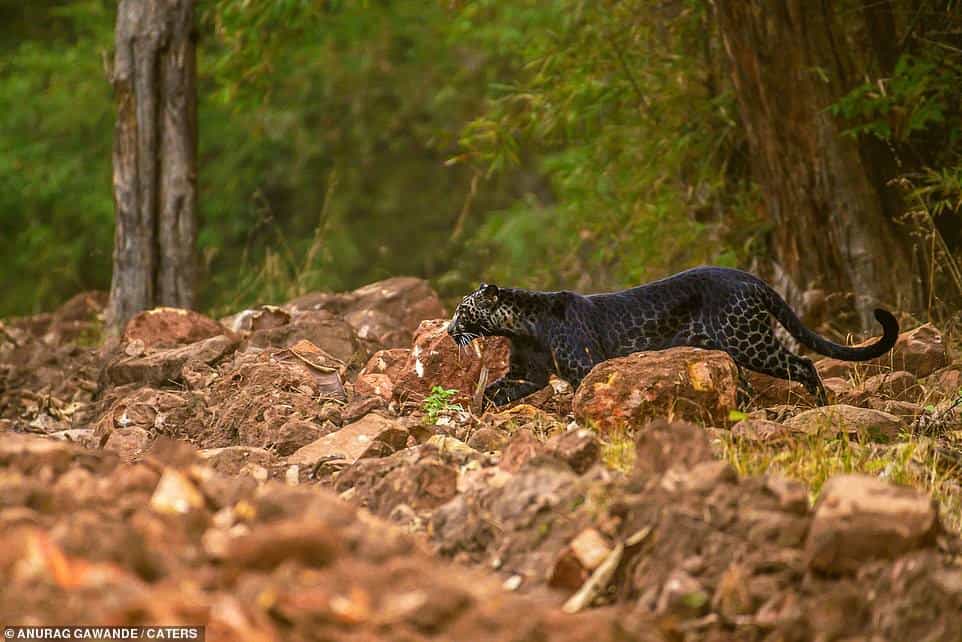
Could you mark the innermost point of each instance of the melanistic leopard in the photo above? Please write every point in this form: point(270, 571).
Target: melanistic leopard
point(567, 334)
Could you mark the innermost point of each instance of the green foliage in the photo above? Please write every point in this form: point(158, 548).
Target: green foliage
point(585, 145)
point(438, 403)
point(56, 207)
point(634, 133)
point(916, 98)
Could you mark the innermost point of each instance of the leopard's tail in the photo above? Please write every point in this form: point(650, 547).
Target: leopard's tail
point(890, 332)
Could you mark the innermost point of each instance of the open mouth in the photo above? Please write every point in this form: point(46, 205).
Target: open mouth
point(463, 339)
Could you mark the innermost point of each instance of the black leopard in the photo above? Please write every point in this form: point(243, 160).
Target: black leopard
point(707, 307)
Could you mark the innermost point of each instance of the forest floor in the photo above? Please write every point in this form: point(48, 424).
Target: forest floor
point(293, 473)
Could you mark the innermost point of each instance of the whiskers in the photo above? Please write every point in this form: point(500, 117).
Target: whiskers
point(464, 340)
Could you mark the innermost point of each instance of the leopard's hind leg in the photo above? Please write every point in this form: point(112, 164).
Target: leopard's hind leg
point(752, 344)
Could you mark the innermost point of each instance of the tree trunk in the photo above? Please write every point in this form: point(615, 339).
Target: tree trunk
point(154, 158)
point(832, 217)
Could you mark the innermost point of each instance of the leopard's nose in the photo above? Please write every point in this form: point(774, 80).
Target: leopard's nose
point(453, 325)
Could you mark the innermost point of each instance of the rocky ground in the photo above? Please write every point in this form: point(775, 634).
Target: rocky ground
point(294, 472)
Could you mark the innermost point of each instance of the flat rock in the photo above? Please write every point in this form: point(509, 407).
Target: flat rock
point(165, 366)
point(353, 441)
point(860, 518)
point(762, 431)
point(863, 423)
point(679, 383)
point(899, 386)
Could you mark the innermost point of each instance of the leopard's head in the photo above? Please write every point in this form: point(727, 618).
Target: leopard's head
point(487, 311)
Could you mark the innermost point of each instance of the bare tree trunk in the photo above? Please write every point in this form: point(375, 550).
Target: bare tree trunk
point(832, 225)
point(154, 158)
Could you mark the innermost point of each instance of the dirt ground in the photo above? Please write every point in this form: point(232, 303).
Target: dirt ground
point(238, 475)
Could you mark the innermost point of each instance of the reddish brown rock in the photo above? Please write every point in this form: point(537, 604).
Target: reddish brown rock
point(436, 360)
point(79, 319)
point(386, 313)
point(407, 300)
point(680, 383)
point(860, 518)
point(169, 328)
point(523, 447)
point(947, 382)
point(905, 410)
point(662, 445)
point(264, 317)
point(295, 434)
point(487, 440)
point(762, 431)
point(522, 416)
point(232, 460)
point(899, 385)
point(164, 367)
point(381, 371)
point(354, 441)
point(579, 448)
point(419, 478)
point(332, 335)
point(772, 391)
point(312, 544)
point(129, 443)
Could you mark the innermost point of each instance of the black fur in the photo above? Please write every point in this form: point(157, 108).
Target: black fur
point(708, 307)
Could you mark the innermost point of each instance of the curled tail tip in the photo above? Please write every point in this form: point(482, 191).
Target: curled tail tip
point(890, 327)
point(887, 319)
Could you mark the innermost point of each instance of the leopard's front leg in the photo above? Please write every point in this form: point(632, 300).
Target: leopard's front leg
point(527, 373)
point(504, 390)
point(574, 357)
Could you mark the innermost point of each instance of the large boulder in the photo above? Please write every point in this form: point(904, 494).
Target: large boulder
point(386, 312)
point(920, 351)
point(332, 335)
point(860, 518)
point(169, 328)
point(863, 423)
point(436, 360)
point(679, 383)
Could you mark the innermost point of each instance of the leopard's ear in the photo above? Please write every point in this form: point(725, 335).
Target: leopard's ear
point(490, 291)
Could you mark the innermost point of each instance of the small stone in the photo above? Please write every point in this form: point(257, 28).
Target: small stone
point(175, 494)
point(683, 596)
point(590, 548)
point(487, 440)
point(523, 447)
point(513, 583)
point(579, 448)
point(792, 495)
